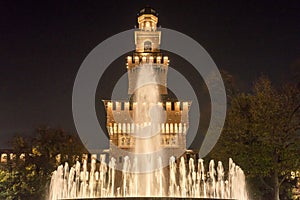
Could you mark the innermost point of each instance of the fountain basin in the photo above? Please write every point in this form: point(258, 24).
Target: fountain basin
point(148, 198)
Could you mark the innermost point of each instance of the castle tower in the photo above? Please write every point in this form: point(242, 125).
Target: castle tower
point(147, 51)
point(147, 54)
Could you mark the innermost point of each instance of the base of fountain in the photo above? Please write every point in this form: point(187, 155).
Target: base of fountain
point(148, 198)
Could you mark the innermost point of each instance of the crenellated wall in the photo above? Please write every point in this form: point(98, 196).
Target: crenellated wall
point(121, 127)
point(139, 67)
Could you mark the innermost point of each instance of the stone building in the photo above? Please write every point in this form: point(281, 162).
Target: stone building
point(146, 63)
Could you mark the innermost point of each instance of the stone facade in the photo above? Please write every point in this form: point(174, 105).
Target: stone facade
point(120, 114)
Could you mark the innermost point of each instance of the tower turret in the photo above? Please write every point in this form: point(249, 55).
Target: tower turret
point(147, 19)
point(147, 51)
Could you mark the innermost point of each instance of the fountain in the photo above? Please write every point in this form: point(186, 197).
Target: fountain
point(147, 155)
point(186, 182)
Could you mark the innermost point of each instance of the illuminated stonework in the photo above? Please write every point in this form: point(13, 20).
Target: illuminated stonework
point(121, 129)
point(120, 125)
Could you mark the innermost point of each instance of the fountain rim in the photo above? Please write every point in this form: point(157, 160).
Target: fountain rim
point(149, 198)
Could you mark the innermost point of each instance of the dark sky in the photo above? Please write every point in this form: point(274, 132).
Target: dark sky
point(42, 45)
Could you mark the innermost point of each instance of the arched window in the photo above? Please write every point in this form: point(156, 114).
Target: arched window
point(147, 46)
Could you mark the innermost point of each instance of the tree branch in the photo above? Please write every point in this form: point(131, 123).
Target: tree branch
point(283, 179)
point(295, 110)
point(293, 113)
point(265, 184)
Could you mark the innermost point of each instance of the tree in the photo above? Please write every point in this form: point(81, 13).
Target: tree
point(261, 133)
point(48, 143)
point(30, 178)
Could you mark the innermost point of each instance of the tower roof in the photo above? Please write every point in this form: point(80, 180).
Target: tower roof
point(147, 10)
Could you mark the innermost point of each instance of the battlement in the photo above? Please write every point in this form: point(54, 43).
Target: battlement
point(133, 61)
point(122, 128)
point(126, 105)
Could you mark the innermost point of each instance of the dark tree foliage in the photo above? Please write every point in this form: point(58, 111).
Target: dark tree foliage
point(29, 178)
point(262, 134)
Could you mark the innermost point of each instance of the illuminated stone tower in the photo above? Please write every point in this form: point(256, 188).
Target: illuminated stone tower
point(147, 51)
point(120, 125)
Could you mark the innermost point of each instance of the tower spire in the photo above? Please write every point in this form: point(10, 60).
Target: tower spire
point(147, 19)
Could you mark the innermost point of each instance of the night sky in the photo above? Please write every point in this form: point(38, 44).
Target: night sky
point(42, 45)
